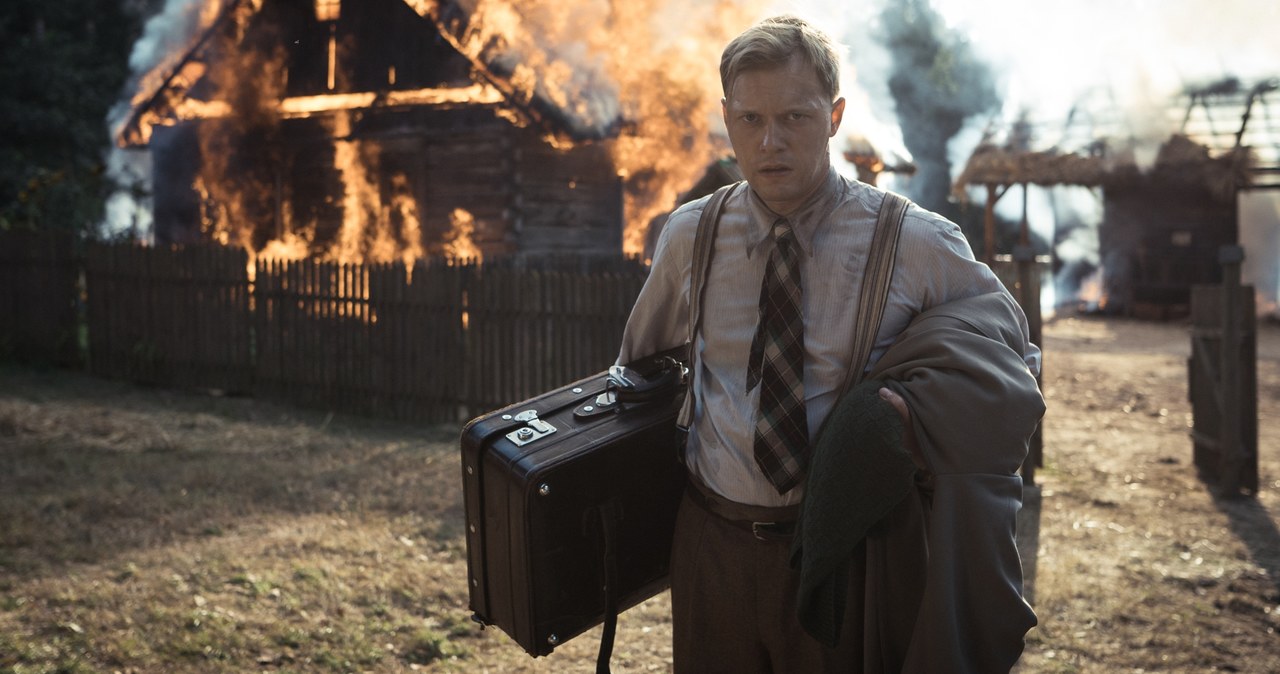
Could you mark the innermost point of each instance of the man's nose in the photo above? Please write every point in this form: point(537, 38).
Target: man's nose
point(772, 138)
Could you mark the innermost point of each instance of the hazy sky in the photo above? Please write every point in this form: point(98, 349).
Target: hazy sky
point(1049, 52)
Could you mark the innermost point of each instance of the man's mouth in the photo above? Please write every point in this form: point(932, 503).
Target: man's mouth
point(774, 169)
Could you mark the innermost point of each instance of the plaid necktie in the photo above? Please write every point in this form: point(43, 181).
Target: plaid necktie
point(777, 365)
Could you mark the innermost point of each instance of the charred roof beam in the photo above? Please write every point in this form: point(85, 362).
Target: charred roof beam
point(163, 104)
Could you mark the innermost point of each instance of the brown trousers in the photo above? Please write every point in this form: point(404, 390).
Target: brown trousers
point(733, 596)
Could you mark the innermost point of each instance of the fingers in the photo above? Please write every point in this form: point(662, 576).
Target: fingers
point(898, 404)
point(909, 441)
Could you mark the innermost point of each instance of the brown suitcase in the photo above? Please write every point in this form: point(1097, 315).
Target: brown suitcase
point(567, 491)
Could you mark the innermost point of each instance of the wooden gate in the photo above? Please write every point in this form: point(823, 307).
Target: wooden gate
point(1223, 382)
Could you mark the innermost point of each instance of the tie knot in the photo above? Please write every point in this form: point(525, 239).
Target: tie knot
point(782, 231)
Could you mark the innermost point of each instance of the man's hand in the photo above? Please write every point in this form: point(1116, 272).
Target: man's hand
point(909, 442)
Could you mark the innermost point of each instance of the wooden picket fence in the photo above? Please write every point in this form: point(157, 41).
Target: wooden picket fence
point(441, 341)
point(39, 321)
point(364, 339)
point(175, 316)
point(530, 330)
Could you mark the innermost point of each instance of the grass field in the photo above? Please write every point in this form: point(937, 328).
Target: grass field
point(145, 530)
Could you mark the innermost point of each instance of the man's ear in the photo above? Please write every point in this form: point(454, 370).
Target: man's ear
point(724, 110)
point(837, 115)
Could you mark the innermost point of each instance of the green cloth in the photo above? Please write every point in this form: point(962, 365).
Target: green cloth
point(858, 472)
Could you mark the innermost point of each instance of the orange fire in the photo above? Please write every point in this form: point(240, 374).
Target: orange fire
point(601, 60)
point(617, 71)
point(1092, 293)
point(459, 243)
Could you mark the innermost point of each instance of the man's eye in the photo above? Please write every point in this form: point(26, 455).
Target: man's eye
point(750, 118)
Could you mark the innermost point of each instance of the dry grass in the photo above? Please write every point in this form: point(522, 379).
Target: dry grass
point(1138, 566)
point(153, 531)
point(144, 530)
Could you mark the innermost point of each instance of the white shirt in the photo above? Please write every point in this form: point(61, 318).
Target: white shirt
point(934, 265)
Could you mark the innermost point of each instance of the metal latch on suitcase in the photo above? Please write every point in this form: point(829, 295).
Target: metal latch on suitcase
point(533, 429)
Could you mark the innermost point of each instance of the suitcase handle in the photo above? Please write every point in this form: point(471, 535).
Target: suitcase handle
point(630, 386)
point(654, 382)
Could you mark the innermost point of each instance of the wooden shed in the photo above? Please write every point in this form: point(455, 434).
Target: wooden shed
point(1161, 227)
point(291, 117)
point(1164, 223)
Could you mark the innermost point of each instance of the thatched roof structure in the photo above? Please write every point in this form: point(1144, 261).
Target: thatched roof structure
point(1180, 161)
point(992, 165)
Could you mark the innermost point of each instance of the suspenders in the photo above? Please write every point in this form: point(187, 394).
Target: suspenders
point(876, 279)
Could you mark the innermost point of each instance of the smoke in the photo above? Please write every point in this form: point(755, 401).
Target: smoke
point(554, 53)
point(1117, 61)
point(165, 35)
point(1260, 235)
point(1116, 67)
point(1113, 66)
point(937, 84)
point(911, 81)
point(1139, 53)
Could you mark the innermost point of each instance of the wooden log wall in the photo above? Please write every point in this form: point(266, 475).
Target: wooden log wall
point(567, 200)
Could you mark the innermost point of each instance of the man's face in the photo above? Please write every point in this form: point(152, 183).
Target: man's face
point(780, 122)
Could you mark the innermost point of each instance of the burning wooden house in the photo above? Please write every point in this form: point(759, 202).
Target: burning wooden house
point(1162, 225)
point(379, 130)
point(870, 162)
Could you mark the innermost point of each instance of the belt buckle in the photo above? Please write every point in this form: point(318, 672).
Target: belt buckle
point(760, 529)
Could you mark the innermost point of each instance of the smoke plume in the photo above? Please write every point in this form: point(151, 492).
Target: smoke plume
point(937, 84)
point(165, 36)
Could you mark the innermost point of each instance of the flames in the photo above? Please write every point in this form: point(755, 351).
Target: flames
point(673, 96)
point(373, 229)
point(458, 242)
point(1092, 295)
point(619, 63)
point(231, 179)
point(611, 72)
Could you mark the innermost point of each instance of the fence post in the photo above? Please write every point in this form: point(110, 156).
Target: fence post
point(1223, 383)
point(1234, 458)
point(1028, 296)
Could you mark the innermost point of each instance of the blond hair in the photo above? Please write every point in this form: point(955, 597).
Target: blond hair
point(772, 42)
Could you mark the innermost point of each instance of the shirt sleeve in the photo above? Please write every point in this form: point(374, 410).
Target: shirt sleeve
point(660, 318)
point(940, 267)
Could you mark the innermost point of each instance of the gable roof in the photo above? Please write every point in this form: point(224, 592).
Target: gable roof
point(166, 94)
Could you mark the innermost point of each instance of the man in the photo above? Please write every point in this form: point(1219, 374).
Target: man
point(733, 590)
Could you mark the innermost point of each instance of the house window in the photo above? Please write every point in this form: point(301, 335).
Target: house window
point(328, 10)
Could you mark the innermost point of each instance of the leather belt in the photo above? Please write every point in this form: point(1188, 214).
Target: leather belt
point(764, 522)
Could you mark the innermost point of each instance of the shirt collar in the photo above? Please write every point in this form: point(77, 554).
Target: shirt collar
point(805, 220)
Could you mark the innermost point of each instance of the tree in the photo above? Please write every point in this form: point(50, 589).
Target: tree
point(62, 65)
